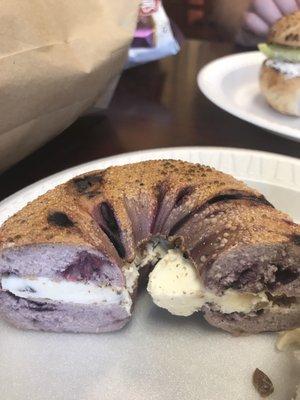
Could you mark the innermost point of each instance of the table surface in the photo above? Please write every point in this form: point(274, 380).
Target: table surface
point(155, 105)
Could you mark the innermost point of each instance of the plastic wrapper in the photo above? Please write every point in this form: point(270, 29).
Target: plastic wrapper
point(154, 37)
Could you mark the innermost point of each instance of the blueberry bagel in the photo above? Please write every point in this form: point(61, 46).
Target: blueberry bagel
point(70, 260)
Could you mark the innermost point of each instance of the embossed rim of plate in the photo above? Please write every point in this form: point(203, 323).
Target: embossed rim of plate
point(213, 73)
point(246, 164)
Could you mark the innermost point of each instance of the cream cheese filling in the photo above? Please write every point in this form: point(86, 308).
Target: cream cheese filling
point(175, 286)
point(42, 288)
point(153, 251)
point(288, 68)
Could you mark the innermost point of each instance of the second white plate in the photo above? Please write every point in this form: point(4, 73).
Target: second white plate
point(232, 83)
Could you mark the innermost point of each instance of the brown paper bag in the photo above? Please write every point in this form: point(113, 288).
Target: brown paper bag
point(57, 58)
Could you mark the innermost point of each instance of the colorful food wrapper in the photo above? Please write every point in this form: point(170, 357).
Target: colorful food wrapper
point(154, 37)
point(149, 7)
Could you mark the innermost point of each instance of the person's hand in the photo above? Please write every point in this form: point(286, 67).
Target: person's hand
point(264, 13)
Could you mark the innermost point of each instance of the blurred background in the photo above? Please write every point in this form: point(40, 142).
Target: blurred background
point(207, 19)
point(158, 104)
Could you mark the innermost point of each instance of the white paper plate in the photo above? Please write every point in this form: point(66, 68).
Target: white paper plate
point(232, 83)
point(157, 356)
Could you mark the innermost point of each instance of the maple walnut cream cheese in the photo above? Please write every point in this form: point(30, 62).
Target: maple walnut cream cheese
point(72, 259)
point(175, 285)
point(280, 73)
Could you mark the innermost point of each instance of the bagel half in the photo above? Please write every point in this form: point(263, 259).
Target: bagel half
point(70, 260)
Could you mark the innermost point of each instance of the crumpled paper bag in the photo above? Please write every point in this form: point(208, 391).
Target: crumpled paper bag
point(57, 59)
